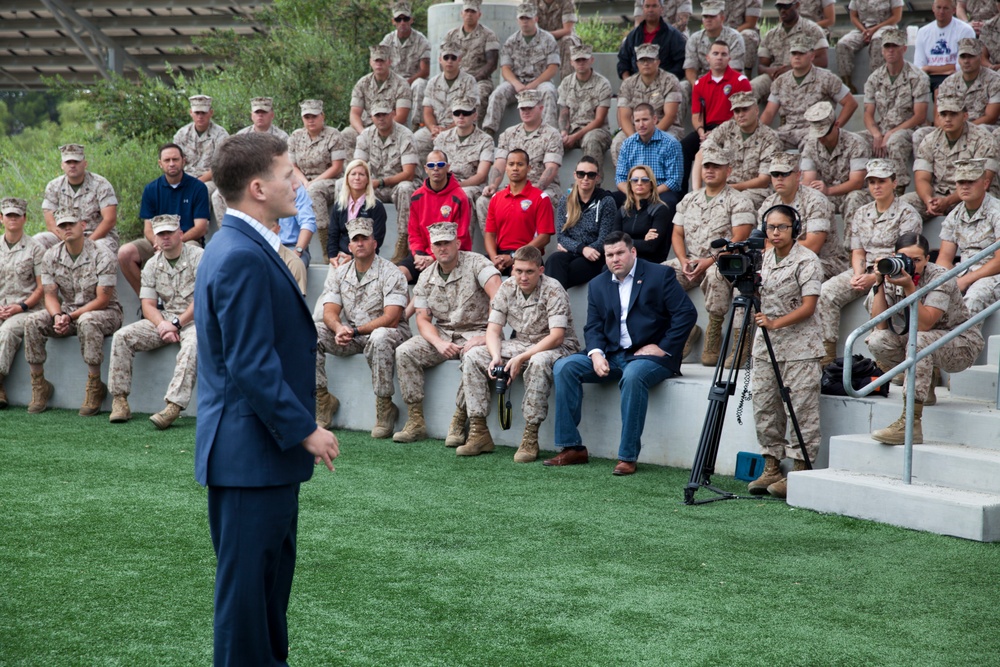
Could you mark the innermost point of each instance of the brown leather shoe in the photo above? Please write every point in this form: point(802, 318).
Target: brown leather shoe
point(568, 457)
point(624, 468)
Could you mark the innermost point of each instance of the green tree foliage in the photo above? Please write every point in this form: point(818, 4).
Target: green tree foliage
point(603, 36)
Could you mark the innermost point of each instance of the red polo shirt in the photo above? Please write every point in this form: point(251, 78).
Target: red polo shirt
point(517, 219)
point(711, 98)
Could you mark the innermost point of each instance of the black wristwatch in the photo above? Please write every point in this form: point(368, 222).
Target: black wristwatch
point(176, 322)
point(24, 306)
point(355, 332)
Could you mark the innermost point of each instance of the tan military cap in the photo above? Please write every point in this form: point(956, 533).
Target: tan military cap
point(970, 45)
point(894, 36)
point(13, 205)
point(743, 99)
point(580, 52)
point(969, 170)
point(820, 117)
point(200, 103)
point(443, 231)
point(381, 106)
point(526, 9)
point(528, 98)
point(72, 152)
point(401, 9)
point(950, 103)
point(880, 168)
point(451, 48)
point(712, 8)
point(359, 227)
point(784, 162)
point(647, 51)
point(311, 107)
point(464, 104)
point(261, 104)
point(165, 223)
point(67, 216)
point(474, 5)
point(380, 52)
point(715, 155)
point(801, 43)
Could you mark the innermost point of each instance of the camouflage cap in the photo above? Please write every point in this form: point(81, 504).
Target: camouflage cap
point(742, 100)
point(528, 98)
point(464, 104)
point(647, 51)
point(165, 223)
point(67, 216)
point(13, 205)
point(474, 5)
point(820, 117)
point(443, 231)
point(970, 46)
point(200, 103)
point(894, 36)
point(527, 9)
point(969, 170)
point(380, 52)
point(784, 162)
point(451, 48)
point(801, 43)
point(72, 152)
point(581, 52)
point(261, 104)
point(401, 9)
point(359, 227)
point(950, 103)
point(381, 106)
point(311, 107)
point(712, 8)
point(716, 155)
point(880, 168)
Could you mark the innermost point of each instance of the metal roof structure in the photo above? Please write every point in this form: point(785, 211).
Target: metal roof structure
point(84, 40)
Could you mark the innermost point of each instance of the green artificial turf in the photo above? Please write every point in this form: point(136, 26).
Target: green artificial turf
point(411, 556)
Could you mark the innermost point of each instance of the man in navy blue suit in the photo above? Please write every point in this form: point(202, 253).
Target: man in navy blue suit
point(257, 437)
point(638, 317)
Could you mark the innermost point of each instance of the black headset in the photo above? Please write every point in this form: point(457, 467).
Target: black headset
point(790, 212)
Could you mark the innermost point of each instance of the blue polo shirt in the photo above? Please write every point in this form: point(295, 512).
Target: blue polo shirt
point(188, 200)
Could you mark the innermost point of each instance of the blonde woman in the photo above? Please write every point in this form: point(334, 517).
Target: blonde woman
point(355, 200)
point(645, 217)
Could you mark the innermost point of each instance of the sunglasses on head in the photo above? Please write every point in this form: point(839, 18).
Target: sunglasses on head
point(639, 179)
point(462, 112)
point(586, 174)
point(449, 57)
point(436, 165)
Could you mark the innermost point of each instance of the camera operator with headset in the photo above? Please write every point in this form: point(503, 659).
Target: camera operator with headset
point(791, 276)
point(940, 310)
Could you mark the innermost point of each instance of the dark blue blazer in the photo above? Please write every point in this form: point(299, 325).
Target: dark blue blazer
point(659, 312)
point(256, 365)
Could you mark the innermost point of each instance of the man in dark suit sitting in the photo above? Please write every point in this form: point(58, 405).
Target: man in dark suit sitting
point(638, 317)
point(257, 437)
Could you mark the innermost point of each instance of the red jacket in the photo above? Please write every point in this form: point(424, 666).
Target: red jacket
point(428, 207)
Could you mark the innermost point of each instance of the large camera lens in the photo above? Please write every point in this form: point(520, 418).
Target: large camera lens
point(895, 265)
point(733, 265)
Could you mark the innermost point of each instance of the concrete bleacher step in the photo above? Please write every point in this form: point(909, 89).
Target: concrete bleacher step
point(978, 383)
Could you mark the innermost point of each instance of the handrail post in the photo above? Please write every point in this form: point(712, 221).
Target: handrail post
point(911, 391)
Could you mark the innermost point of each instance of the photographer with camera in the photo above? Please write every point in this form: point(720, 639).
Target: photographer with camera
point(940, 311)
point(537, 309)
point(791, 276)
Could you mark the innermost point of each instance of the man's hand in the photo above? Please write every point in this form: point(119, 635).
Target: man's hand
point(344, 336)
point(601, 365)
point(447, 350)
point(167, 332)
point(964, 282)
point(650, 350)
point(61, 322)
point(818, 185)
point(7, 311)
point(515, 364)
point(503, 262)
point(341, 258)
point(864, 281)
point(475, 341)
point(422, 261)
point(489, 191)
point(935, 206)
point(323, 445)
point(695, 268)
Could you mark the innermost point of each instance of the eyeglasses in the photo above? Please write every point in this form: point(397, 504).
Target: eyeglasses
point(639, 179)
point(781, 174)
point(402, 19)
point(586, 174)
point(462, 112)
point(436, 165)
point(449, 57)
point(778, 228)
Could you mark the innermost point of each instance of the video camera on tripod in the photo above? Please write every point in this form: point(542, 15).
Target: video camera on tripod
point(741, 266)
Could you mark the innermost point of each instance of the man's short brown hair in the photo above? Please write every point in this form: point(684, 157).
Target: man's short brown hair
point(242, 158)
point(528, 253)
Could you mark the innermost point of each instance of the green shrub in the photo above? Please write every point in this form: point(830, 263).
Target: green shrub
point(603, 36)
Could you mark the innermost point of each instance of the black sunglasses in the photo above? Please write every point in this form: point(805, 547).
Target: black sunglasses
point(402, 19)
point(586, 174)
point(462, 112)
point(781, 174)
point(450, 57)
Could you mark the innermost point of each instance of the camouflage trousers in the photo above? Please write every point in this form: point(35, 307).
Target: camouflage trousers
point(595, 144)
point(416, 116)
point(142, 336)
point(834, 295)
point(959, 353)
point(792, 138)
point(322, 193)
point(485, 87)
point(11, 335)
point(751, 41)
point(90, 328)
point(503, 96)
point(761, 87)
point(379, 348)
point(423, 142)
point(416, 355)
point(757, 196)
point(717, 290)
point(802, 377)
point(399, 196)
point(914, 200)
point(350, 138)
point(848, 47)
point(899, 149)
point(982, 293)
point(537, 374)
point(554, 192)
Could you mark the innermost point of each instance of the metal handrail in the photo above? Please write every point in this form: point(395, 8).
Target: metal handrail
point(912, 356)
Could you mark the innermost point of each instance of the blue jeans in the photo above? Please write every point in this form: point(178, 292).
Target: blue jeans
point(634, 378)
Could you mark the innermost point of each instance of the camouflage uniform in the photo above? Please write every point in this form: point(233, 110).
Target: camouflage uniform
point(459, 309)
point(464, 156)
point(406, 57)
point(527, 61)
point(634, 92)
point(703, 221)
point(543, 145)
point(274, 131)
point(813, 10)
point(736, 13)
point(386, 158)
point(775, 46)
point(20, 267)
point(975, 96)
point(973, 232)
point(889, 348)
point(199, 149)
point(362, 302)
point(531, 318)
point(989, 35)
point(476, 44)
point(366, 91)
point(672, 12)
point(818, 84)
point(313, 157)
point(797, 349)
point(833, 168)
point(174, 286)
point(875, 233)
point(551, 16)
point(870, 13)
point(439, 95)
point(76, 283)
point(751, 156)
point(700, 43)
point(816, 212)
point(980, 10)
point(93, 194)
point(938, 157)
point(582, 98)
point(894, 101)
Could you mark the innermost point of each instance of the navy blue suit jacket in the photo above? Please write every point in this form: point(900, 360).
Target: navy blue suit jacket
point(659, 312)
point(256, 365)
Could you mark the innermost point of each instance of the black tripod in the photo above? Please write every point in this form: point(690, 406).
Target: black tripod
point(718, 397)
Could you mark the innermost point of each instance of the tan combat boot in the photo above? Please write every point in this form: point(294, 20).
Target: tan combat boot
point(324, 236)
point(326, 406)
point(97, 391)
point(167, 416)
point(3, 394)
point(772, 473)
point(402, 247)
point(528, 451)
point(744, 351)
point(850, 86)
point(41, 392)
point(691, 340)
point(780, 488)
point(931, 398)
point(479, 442)
point(456, 430)
point(895, 433)
point(829, 353)
point(120, 410)
point(713, 341)
point(415, 428)
point(386, 414)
